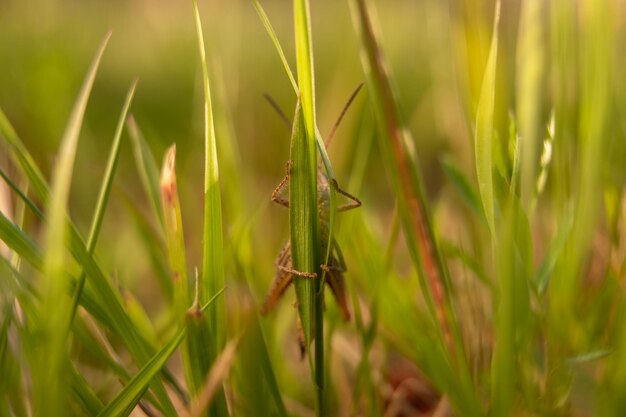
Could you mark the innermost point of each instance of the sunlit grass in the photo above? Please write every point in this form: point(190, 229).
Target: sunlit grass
point(485, 269)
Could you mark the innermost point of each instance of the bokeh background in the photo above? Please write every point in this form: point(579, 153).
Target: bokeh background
point(436, 50)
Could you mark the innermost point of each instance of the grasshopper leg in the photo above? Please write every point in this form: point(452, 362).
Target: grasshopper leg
point(276, 197)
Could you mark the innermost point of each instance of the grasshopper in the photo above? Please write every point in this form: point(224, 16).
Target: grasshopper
point(336, 266)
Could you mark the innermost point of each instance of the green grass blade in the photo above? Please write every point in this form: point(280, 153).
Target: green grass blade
point(484, 134)
point(20, 242)
point(103, 196)
point(463, 186)
point(530, 73)
point(22, 158)
point(105, 301)
point(212, 277)
point(49, 373)
point(83, 395)
point(398, 152)
point(124, 403)
point(305, 239)
point(302, 221)
point(147, 167)
point(274, 38)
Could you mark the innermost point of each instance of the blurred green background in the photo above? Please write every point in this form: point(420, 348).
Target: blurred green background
point(47, 46)
point(437, 52)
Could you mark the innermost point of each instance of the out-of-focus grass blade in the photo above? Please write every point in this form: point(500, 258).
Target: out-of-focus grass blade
point(398, 150)
point(530, 73)
point(49, 371)
point(274, 38)
point(484, 135)
point(154, 244)
point(463, 186)
point(13, 401)
point(103, 196)
point(452, 251)
point(512, 307)
point(83, 394)
point(175, 236)
point(212, 339)
point(101, 298)
point(147, 167)
point(124, 403)
point(22, 157)
point(218, 372)
point(258, 386)
point(20, 242)
point(546, 268)
point(193, 352)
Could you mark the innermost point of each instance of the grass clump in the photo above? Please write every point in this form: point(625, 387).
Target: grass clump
point(484, 271)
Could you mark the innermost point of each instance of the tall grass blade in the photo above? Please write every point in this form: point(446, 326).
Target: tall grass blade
point(305, 239)
point(484, 134)
point(530, 73)
point(103, 196)
point(398, 152)
point(50, 369)
point(212, 276)
point(147, 167)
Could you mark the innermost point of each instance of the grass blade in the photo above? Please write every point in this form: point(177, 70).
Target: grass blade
point(124, 403)
point(398, 152)
point(274, 38)
point(49, 393)
point(530, 73)
point(212, 276)
point(147, 167)
point(305, 239)
point(103, 196)
point(484, 134)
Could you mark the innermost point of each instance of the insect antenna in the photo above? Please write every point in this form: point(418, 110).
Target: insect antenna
point(343, 113)
point(278, 110)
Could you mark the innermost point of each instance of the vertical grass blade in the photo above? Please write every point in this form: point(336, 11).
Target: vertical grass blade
point(212, 276)
point(303, 198)
point(147, 167)
point(400, 158)
point(484, 134)
point(529, 74)
point(103, 196)
point(50, 371)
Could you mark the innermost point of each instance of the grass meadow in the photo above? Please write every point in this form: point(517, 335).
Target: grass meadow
point(457, 249)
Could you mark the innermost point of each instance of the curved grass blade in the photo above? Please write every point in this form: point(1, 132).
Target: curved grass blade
point(101, 298)
point(147, 167)
point(398, 151)
point(124, 403)
point(103, 196)
point(484, 134)
point(274, 38)
point(51, 365)
point(212, 339)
